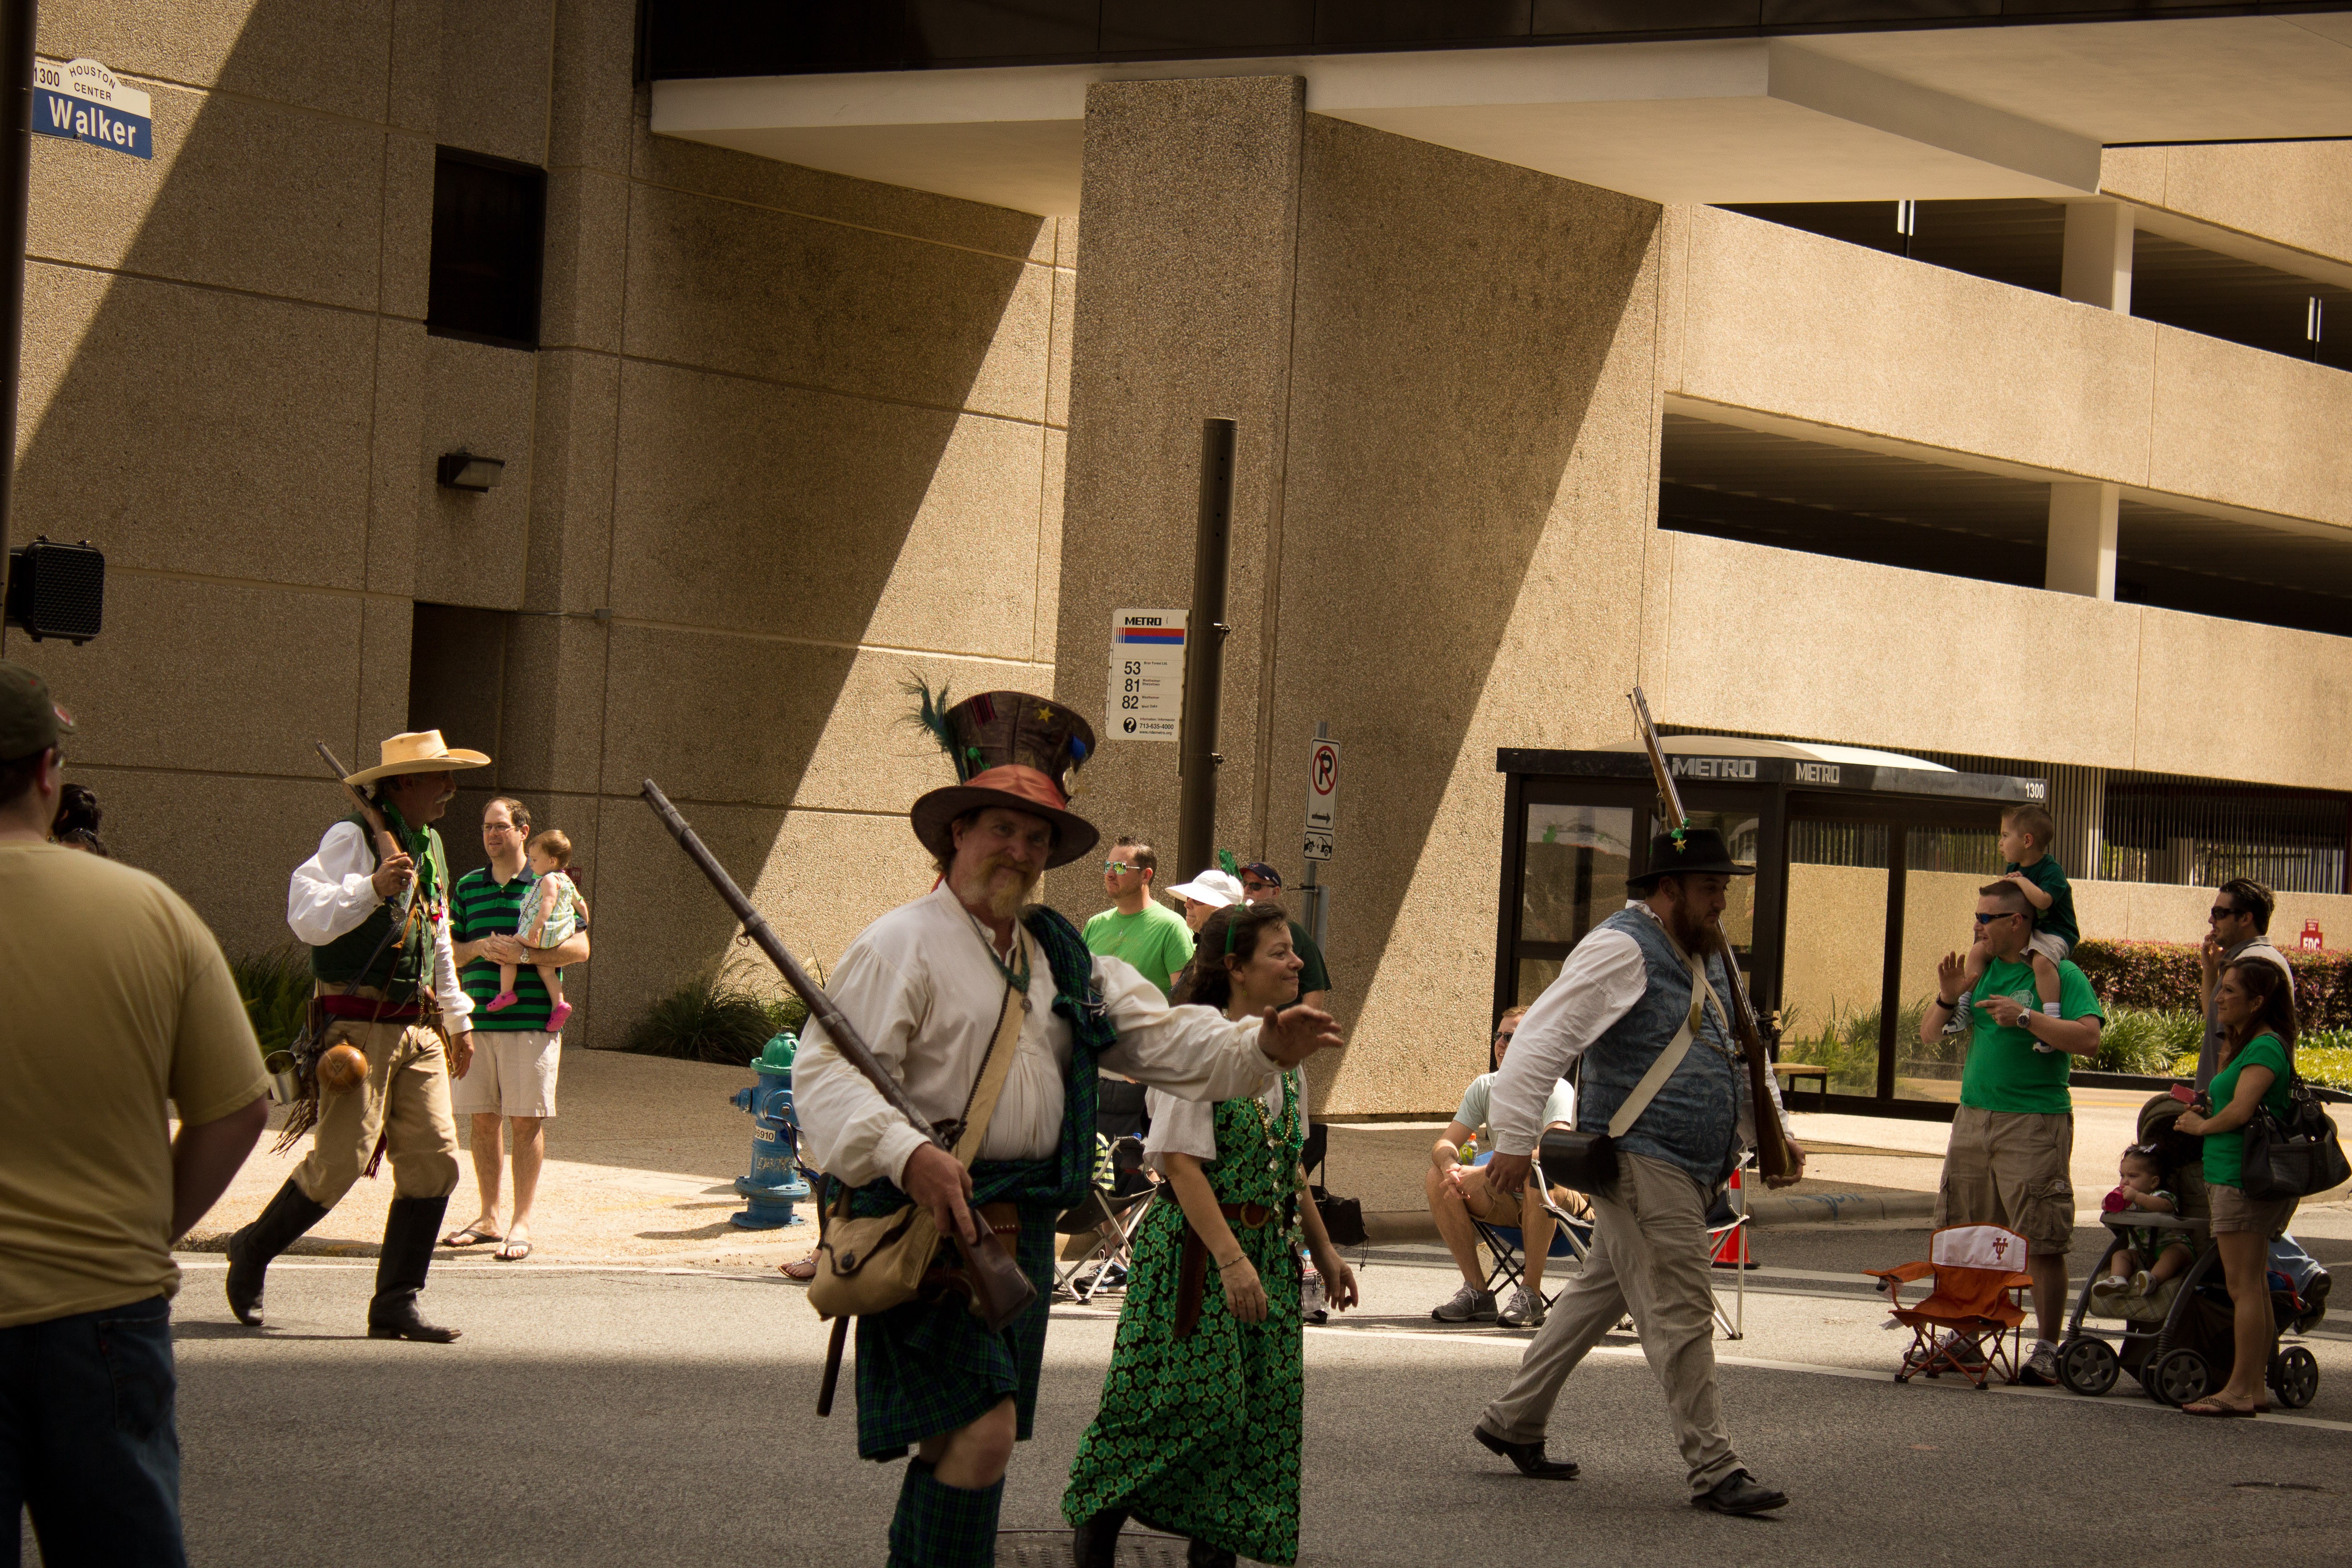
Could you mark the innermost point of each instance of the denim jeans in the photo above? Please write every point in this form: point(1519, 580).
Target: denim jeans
point(86, 1439)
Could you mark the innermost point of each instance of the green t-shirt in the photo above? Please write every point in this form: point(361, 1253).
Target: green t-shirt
point(481, 906)
point(1154, 939)
point(2004, 1071)
point(1315, 976)
point(2225, 1153)
point(2058, 920)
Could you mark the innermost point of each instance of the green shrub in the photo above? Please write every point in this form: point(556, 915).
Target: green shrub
point(2163, 976)
point(276, 989)
point(2322, 1056)
point(716, 1015)
point(1847, 1044)
point(2148, 1040)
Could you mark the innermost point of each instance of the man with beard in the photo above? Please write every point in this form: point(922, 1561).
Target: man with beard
point(1649, 1025)
point(927, 985)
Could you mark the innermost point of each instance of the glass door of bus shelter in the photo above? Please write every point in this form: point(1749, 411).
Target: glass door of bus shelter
point(1878, 893)
point(1575, 843)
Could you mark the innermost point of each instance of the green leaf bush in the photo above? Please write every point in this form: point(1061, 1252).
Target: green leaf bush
point(275, 989)
point(715, 1015)
point(2163, 976)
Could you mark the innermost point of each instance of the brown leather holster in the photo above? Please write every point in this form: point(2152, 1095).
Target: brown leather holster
point(1192, 1262)
point(946, 1274)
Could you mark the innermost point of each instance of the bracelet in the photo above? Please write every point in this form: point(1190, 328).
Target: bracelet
point(1222, 1266)
point(1947, 1006)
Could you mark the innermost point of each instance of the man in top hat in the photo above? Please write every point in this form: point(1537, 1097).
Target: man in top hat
point(1629, 1001)
point(927, 985)
point(376, 915)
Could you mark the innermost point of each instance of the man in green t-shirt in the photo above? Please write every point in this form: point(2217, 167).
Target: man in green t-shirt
point(2013, 1134)
point(1137, 927)
point(1263, 884)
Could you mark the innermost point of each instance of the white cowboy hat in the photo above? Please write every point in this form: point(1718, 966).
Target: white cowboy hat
point(418, 751)
point(1215, 889)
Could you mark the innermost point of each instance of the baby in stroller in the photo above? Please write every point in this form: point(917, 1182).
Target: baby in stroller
point(2144, 1257)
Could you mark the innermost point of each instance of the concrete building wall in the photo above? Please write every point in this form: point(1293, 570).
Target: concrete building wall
point(2295, 194)
point(789, 438)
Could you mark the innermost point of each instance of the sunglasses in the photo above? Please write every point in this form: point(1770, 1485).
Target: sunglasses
point(1988, 919)
point(2219, 914)
point(1505, 1034)
point(1119, 867)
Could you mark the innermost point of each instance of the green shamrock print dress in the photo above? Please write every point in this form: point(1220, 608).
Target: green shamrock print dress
point(1201, 1436)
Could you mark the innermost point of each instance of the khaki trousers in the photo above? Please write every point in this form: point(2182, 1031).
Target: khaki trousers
point(405, 1100)
point(1650, 1259)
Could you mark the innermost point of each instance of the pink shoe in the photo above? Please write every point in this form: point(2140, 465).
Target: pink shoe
point(502, 1001)
point(555, 1016)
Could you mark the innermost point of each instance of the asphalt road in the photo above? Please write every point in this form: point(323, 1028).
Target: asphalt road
point(601, 1417)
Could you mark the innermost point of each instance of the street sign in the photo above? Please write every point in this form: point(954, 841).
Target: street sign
point(81, 101)
point(1146, 698)
point(1322, 798)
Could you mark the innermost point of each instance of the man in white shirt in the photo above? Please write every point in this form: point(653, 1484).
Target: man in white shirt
point(1659, 1068)
point(926, 985)
point(1456, 1192)
point(376, 918)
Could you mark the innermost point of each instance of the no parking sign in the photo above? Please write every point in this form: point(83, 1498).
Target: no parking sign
point(1322, 798)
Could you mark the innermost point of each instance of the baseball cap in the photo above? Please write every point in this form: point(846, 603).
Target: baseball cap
point(1263, 872)
point(30, 718)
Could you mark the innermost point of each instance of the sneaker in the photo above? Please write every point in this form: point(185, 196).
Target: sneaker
point(1526, 1312)
point(2041, 1366)
point(1467, 1305)
point(1962, 1349)
point(2140, 1283)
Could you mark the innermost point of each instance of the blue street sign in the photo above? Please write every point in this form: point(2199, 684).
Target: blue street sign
point(81, 101)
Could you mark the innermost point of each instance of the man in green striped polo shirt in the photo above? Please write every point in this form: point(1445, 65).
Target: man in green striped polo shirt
point(516, 1054)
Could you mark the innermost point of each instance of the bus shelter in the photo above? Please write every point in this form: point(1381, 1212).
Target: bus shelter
point(1867, 867)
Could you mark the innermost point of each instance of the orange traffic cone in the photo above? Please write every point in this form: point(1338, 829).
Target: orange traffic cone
point(1731, 1248)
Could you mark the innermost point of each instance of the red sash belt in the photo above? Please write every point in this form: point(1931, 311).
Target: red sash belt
point(368, 1009)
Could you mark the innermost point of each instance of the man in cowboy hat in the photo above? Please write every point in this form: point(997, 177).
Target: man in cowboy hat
point(1629, 1000)
point(378, 928)
point(927, 985)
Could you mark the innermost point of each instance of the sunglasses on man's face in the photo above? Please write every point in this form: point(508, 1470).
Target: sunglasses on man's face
point(1988, 919)
point(2222, 913)
point(1504, 1036)
point(1119, 867)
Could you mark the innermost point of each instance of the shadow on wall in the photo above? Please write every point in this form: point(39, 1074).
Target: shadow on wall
point(1467, 395)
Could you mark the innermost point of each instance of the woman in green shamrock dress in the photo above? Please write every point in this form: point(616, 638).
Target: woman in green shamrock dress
point(1203, 1411)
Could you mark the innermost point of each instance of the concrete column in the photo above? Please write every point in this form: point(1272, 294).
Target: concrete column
point(2097, 269)
point(2081, 556)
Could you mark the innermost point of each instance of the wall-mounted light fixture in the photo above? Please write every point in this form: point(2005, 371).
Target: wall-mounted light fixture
point(465, 471)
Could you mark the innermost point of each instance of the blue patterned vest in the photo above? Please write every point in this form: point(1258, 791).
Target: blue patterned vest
point(1694, 1121)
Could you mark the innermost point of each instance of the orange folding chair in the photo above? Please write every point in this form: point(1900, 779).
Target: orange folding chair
point(1972, 1321)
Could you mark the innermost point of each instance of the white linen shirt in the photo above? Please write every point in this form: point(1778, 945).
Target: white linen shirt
point(334, 892)
point(922, 985)
point(1605, 974)
point(1189, 1126)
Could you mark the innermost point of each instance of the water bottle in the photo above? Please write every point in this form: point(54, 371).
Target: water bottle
point(1311, 1291)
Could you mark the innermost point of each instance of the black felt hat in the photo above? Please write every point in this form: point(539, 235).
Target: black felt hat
point(1701, 851)
point(1010, 749)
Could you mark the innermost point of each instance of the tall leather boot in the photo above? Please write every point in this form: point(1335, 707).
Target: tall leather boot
point(409, 1229)
point(289, 1214)
point(1094, 1543)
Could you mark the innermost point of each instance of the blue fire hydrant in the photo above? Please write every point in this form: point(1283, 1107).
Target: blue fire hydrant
point(775, 1182)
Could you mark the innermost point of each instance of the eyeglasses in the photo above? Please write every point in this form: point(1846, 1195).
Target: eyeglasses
point(2221, 912)
point(1988, 919)
point(1503, 1036)
point(1261, 887)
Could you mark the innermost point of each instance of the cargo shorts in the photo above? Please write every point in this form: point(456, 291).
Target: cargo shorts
point(2010, 1168)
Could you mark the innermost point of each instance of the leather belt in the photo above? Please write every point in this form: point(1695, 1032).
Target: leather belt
point(1253, 1215)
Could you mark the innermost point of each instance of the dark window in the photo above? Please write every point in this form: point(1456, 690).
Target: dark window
point(488, 219)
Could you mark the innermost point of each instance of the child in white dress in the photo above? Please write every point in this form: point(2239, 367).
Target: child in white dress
point(553, 910)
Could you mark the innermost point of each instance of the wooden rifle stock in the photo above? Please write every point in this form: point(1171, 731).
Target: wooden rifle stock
point(1000, 1291)
point(386, 846)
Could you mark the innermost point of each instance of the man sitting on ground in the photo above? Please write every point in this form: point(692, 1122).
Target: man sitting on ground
point(1456, 1192)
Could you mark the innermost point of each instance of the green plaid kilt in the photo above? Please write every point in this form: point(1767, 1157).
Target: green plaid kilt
point(931, 1366)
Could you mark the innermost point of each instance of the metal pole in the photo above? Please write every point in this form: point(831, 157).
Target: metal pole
point(19, 22)
point(1205, 652)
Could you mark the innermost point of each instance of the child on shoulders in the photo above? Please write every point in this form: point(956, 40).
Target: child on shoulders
point(2026, 832)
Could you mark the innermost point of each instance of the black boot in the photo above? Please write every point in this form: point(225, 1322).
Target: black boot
point(1096, 1545)
point(409, 1230)
point(289, 1214)
point(1199, 1553)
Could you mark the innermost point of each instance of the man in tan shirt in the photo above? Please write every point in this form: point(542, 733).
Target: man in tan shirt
point(118, 1000)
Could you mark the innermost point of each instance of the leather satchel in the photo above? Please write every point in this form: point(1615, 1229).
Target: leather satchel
point(2294, 1155)
point(1586, 1160)
point(872, 1264)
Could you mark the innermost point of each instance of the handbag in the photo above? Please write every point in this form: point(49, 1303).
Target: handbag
point(871, 1265)
point(1586, 1160)
point(2294, 1155)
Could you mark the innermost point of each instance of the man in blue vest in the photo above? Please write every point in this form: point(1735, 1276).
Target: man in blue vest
point(1662, 1071)
point(378, 928)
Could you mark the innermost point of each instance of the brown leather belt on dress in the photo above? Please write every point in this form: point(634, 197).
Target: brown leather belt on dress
point(1193, 1261)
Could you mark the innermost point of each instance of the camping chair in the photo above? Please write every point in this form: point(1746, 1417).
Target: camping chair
point(1570, 1237)
point(1974, 1305)
point(1106, 1219)
point(1727, 1236)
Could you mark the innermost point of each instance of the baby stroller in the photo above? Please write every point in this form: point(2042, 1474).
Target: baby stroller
point(2178, 1342)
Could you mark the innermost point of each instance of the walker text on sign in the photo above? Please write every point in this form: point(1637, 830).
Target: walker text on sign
point(81, 101)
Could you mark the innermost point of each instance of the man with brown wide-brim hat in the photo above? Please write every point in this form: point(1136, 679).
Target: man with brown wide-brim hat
point(373, 907)
point(931, 985)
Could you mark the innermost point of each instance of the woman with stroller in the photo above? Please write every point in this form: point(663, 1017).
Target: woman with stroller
point(1204, 1408)
point(2256, 1011)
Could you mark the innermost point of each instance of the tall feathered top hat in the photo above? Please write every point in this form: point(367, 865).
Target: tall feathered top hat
point(1011, 749)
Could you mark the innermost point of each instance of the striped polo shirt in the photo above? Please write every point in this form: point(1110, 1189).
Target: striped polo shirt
point(479, 907)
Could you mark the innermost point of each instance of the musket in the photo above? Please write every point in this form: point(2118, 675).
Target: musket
point(386, 845)
point(1000, 1291)
point(1771, 1146)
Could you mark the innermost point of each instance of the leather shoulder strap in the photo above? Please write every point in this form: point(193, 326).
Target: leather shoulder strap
point(993, 1071)
point(1668, 1059)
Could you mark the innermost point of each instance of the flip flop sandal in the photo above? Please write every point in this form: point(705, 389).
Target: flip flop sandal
point(469, 1236)
point(512, 1252)
point(2208, 1408)
point(801, 1269)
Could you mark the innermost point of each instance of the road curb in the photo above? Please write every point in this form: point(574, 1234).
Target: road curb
point(1391, 1226)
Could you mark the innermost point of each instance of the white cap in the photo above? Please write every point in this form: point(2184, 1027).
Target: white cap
point(1214, 889)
